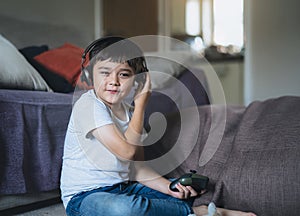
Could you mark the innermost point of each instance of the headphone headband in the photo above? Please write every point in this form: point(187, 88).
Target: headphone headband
point(91, 46)
point(84, 73)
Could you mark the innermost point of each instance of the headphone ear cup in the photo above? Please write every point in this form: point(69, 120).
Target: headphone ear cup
point(85, 76)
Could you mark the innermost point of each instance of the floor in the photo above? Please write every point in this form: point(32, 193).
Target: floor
point(47, 203)
point(55, 210)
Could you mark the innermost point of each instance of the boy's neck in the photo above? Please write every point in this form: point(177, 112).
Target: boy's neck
point(119, 111)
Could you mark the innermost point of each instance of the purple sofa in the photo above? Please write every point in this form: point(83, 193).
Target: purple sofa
point(250, 154)
point(34, 123)
point(256, 165)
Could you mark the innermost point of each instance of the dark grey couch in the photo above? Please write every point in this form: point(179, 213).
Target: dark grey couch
point(34, 123)
point(251, 154)
point(252, 162)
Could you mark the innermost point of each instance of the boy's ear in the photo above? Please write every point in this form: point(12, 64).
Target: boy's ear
point(141, 76)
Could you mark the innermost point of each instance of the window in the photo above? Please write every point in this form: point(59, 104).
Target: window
point(228, 22)
point(218, 22)
point(192, 17)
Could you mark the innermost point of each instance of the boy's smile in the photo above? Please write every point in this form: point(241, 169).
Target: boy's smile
point(112, 81)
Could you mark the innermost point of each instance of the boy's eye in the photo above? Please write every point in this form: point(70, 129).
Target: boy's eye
point(124, 75)
point(104, 73)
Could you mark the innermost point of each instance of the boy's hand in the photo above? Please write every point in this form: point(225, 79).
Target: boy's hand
point(143, 91)
point(185, 192)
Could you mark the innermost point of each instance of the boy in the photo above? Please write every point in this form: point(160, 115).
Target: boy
point(103, 142)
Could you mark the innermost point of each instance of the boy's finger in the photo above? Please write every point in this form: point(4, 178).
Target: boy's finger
point(193, 192)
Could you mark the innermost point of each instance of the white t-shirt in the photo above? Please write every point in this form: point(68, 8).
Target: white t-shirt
point(87, 163)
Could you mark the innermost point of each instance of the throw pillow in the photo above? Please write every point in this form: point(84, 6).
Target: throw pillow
point(64, 60)
point(163, 69)
point(56, 82)
point(16, 72)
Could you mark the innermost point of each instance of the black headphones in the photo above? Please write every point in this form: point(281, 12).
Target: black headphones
point(84, 72)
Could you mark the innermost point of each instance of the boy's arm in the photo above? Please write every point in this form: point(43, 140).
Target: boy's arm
point(135, 129)
point(152, 179)
point(114, 141)
point(126, 145)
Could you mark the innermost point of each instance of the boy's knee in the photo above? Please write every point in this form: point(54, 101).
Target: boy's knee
point(120, 209)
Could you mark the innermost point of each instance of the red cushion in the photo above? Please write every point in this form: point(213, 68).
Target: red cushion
point(64, 60)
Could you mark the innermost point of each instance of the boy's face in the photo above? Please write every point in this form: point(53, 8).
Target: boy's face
point(112, 81)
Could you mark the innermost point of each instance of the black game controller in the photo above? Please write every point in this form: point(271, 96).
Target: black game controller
point(198, 182)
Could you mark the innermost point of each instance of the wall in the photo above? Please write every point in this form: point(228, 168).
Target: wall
point(75, 15)
point(272, 38)
point(177, 10)
point(130, 18)
point(272, 65)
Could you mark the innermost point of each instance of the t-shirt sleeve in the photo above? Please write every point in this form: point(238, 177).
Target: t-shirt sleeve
point(90, 114)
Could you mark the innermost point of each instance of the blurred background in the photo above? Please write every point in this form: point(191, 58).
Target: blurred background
point(252, 45)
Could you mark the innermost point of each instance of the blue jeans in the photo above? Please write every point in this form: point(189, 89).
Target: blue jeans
point(126, 199)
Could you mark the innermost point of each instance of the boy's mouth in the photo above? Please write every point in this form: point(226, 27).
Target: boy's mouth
point(113, 91)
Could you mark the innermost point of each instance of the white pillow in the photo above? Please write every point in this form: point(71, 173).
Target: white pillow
point(16, 72)
point(165, 67)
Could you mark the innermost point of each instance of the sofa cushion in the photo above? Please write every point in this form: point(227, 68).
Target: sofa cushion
point(263, 171)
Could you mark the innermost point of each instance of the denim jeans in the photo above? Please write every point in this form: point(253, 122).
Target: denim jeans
point(126, 199)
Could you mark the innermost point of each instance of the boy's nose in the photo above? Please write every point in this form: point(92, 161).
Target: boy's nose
point(114, 79)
